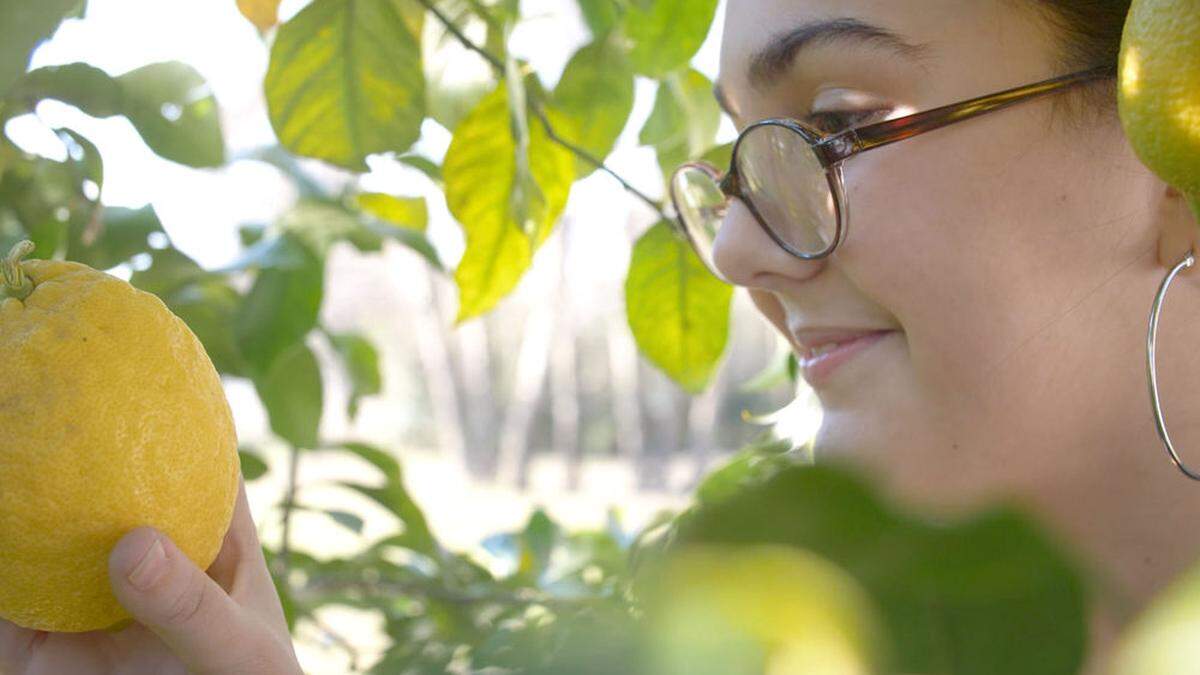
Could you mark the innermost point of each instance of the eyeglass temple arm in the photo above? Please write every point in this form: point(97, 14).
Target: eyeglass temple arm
point(853, 141)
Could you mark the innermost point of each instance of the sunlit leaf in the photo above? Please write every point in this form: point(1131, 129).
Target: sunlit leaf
point(480, 172)
point(409, 212)
point(291, 391)
point(601, 16)
point(600, 66)
point(666, 33)
point(678, 311)
point(345, 81)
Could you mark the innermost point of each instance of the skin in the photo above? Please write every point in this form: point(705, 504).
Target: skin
point(1017, 258)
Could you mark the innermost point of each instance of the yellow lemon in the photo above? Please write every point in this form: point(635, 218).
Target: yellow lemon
point(1163, 638)
point(1159, 94)
point(111, 417)
point(760, 609)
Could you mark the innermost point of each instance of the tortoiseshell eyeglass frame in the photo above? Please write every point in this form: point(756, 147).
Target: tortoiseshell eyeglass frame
point(833, 149)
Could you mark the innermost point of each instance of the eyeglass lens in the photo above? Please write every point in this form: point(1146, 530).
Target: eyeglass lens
point(782, 180)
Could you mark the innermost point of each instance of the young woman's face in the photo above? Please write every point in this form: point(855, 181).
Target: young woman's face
point(1012, 257)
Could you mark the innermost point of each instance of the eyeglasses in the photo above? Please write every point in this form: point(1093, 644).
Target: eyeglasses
point(789, 174)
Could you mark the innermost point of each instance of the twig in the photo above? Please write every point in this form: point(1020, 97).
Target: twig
point(289, 503)
point(339, 640)
point(538, 111)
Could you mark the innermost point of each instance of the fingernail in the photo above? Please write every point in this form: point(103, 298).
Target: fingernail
point(151, 566)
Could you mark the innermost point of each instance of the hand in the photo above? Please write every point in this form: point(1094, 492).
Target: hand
point(228, 621)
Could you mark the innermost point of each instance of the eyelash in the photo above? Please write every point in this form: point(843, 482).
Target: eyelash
point(856, 117)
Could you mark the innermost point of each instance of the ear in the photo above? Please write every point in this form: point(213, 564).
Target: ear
point(1179, 229)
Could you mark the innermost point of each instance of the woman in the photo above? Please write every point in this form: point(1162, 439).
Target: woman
point(1011, 258)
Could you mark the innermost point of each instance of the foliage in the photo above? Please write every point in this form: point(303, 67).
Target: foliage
point(349, 79)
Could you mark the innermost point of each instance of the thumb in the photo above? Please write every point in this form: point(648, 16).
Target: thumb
point(164, 590)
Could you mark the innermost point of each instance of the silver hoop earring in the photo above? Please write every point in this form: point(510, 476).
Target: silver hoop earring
point(1188, 261)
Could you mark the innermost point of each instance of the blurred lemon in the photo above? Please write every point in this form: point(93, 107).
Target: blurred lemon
point(111, 417)
point(1165, 638)
point(759, 609)
point(1159, 94)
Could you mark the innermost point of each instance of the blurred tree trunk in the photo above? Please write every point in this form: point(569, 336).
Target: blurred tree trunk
point(564, 382)
point(431, 335)
point(532, 362)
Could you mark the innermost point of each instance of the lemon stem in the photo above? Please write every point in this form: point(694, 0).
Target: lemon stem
point(16, 284)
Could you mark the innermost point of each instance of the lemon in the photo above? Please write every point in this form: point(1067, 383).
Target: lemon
point(111, 417)
point(1158, 99)
point(759, 609)
point(1162, 639)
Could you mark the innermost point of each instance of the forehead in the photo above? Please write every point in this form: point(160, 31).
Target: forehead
point(764, 38)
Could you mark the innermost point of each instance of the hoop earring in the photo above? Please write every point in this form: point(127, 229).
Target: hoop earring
point(1188, 261)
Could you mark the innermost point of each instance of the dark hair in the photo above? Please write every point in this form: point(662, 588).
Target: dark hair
point(1088, 34)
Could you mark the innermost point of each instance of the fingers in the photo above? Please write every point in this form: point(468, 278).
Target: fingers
point(16, 646)
point(164, 590)
point(241, 568)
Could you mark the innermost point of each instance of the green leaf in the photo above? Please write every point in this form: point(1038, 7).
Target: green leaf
point(173, 109)
point(684, 121)
point(362, 365)
point(46, 198)
point(122, 234)
point(345, 81)
point(346, 519)
point(597, 67)
point(168, 103)
point(280, 309)
point(601, 16)
point(394, 497)
point(23, 24)
point(320, 224)
point(985, 595)
point(409, 212)
point(678, 311)
point(291, 392)
point(480, 171)
point(424, 165)
point(253, 466)
point(666, 33)
point(86, 87)
point(208, 306)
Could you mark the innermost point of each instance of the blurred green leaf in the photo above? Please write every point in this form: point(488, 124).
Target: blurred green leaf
point(982, 596)
point(394, 497)
point(424, 165)
point(292, 393)
point(45, 197)
point(362, 365)
point(599, 66)
point(122, 233)
point(601, 16)
point(208, 307)
point(253, 466)
point(280, 309)
point(168, 103)
point(345, 81)
point(320, 224)
point(480, 172)
point(666, 33)
point(409, 212)
point(24, 24)
point(684, 121)
point(678, 311)
point(776, 372)
point(173, 109)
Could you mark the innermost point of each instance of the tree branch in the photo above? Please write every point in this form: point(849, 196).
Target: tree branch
point(539, 112)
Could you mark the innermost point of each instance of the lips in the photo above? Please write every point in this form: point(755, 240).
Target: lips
point(817, 341)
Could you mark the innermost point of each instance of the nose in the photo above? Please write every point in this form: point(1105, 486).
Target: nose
point(742, 250)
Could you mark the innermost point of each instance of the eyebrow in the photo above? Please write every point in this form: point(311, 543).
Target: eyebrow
point(774, 60)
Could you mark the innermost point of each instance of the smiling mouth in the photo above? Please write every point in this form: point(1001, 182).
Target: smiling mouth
point(820, 363)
